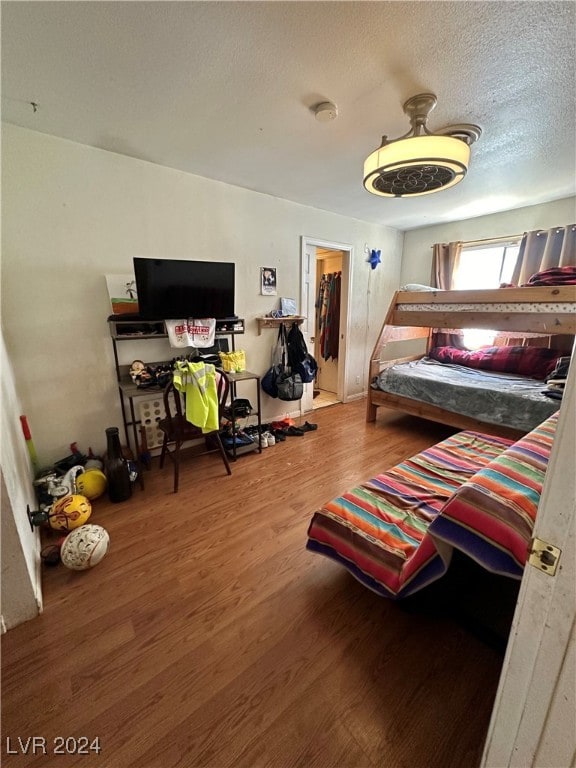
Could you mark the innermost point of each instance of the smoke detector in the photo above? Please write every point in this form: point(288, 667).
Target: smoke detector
point(325, 112)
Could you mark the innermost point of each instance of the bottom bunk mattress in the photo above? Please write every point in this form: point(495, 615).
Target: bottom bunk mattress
point(505, 399)
point(474, 492)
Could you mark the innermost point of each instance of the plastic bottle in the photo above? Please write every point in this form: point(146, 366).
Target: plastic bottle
point(116, 468)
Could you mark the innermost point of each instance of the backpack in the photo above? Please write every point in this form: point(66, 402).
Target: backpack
point(299, 359)
point(280, 380)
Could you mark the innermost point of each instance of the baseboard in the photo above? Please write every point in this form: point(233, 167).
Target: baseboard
point(357, 396)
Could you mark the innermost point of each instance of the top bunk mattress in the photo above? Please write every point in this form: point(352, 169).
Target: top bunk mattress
point(504, 399)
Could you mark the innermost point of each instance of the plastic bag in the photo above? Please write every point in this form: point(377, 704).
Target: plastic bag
point(233, 362)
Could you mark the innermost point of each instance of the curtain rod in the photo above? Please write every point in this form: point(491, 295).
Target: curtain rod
point(487, 240)
point(511, 238)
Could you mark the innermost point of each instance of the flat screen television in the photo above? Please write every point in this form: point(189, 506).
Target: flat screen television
point(173, 288)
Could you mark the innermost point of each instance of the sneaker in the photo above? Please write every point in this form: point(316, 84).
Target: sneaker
point(271, 439)
point(264, 440)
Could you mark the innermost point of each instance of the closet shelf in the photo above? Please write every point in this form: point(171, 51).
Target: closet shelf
point(274, 322)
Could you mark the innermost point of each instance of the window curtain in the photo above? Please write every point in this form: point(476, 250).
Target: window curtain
point(545, 249)
point(445, 261)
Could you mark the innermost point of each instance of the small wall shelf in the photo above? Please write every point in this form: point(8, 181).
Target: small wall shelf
point(274, 322)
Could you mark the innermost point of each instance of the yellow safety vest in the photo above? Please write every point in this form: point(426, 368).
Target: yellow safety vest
point(198, 383)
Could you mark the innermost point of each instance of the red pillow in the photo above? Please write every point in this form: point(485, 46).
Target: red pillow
point(537, 362)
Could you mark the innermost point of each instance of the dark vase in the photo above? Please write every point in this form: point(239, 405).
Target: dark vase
point(116, 468)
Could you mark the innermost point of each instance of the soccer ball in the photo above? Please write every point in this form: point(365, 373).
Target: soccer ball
point(91, 483)
point(69, 512)
point(84, 547)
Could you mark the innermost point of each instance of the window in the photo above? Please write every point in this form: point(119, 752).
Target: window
point(484, 267)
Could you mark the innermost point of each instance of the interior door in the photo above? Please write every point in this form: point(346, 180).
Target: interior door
point(308, 309)
point(328, 262)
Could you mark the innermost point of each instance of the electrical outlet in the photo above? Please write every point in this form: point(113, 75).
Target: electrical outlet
point(357, 379)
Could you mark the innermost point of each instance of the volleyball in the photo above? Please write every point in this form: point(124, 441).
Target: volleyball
point(91, 483)
point(69, 512)
point(84, 547)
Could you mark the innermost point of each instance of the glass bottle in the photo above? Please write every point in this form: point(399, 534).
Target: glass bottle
point(116, 468)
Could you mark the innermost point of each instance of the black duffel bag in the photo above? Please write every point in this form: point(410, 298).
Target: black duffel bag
point(289, 386)
point(268, 382)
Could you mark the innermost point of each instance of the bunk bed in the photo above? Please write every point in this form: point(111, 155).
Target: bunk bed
point(422, 384)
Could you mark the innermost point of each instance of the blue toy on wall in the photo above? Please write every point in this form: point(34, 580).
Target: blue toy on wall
point(374, 258)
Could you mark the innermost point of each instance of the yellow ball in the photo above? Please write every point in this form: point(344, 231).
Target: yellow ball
point(69, 512)
point(91, 483)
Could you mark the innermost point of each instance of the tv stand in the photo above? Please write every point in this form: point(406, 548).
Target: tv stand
point(126, 316)
point(133, 326)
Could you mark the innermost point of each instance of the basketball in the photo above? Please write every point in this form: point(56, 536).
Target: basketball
point(84, 547)
point(69, 512)
point(91, 483)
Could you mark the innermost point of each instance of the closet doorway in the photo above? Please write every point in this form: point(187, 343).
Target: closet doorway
point(325, 299)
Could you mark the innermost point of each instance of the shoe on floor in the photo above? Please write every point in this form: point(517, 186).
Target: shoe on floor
point(271, 439)
point(307, 427)
point(283, 423)
point(296, 431)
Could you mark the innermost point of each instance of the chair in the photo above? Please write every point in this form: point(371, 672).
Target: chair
point(178, 430)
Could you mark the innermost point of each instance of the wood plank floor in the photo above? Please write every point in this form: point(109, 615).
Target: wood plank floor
point(209, 636)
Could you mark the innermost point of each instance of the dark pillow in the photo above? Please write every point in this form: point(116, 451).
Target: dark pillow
point(537, 362)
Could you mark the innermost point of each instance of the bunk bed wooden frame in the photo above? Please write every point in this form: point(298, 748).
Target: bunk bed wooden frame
point(517, 313)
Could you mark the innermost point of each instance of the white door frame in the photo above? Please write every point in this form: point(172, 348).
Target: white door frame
point(307, 298)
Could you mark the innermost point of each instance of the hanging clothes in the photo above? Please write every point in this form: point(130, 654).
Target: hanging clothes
point(322, 303)
point(324, 310)
point(329, 324)
point(334, 309)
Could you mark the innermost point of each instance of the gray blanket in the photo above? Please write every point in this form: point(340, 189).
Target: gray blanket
point(496, 398)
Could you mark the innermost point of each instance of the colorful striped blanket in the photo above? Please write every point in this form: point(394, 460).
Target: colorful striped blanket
point(491, 516)
point(392, 534)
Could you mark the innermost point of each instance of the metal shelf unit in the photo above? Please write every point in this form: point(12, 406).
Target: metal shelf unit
point(131, 329)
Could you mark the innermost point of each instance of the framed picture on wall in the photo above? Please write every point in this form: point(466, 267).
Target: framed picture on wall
point(122, 293)
point(268, 281)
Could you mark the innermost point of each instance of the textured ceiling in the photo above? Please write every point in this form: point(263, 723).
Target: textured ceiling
point(225, 90)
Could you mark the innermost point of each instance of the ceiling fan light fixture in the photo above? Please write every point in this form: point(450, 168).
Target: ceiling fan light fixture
point(420, 162)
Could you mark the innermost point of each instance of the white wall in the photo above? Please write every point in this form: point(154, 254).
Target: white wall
point(72, 214)
point(417, 256)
